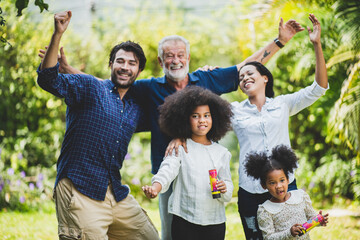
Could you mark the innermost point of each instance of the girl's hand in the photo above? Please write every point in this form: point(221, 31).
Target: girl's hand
point(316, 32)
point(150, 191)
point(296, 229)
point(221, 186)
point(326, 219)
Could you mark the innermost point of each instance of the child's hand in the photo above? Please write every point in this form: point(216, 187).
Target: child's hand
point(221, 186)
point(326, 219)
point(296, 229)
point(150, 191)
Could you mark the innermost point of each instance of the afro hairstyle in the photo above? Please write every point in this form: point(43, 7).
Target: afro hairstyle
point(174, 119)
point(259, 164)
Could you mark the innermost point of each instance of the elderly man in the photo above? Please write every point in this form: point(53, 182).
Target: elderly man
point(174, 58)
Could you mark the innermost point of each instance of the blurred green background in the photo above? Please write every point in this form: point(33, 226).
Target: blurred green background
point(222, 33)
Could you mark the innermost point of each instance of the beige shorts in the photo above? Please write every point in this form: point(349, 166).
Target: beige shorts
point(80, 217)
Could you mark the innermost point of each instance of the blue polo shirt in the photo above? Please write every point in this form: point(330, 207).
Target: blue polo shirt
point(152, 92)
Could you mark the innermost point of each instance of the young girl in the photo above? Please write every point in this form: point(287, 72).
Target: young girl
point(202, 118)
point(282, 216)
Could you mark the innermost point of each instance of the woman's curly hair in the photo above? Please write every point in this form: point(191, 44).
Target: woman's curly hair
point(258, 165)
point(174, 119)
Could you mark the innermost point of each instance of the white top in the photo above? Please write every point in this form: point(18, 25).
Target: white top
point(262, 131)
point(276, 219)
point(191, 198)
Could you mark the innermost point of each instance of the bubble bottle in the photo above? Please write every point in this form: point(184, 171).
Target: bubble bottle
point(313, 222)
point(213, 181)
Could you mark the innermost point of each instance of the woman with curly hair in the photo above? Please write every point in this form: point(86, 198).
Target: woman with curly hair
point(282, 216)
point(202, 118)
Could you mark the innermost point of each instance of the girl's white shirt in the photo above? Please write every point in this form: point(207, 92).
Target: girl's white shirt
point(262, 131)
point(191, 198)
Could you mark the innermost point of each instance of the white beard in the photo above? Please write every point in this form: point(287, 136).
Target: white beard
point(176, 76)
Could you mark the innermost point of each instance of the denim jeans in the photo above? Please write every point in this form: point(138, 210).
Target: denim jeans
point(165, 216)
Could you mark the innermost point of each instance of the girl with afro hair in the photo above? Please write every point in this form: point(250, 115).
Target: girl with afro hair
point(282, 216)
point(202, 118)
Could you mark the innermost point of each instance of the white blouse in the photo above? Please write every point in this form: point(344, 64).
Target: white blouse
point(276, 219)
point(191, 198)
point(262, 131)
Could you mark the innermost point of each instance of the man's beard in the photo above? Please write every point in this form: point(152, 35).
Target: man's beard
point(122, 84)
point(176, 76)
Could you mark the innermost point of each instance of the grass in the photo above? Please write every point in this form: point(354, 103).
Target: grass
point(43, 225)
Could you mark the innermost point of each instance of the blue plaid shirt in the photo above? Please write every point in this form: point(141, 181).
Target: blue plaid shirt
point(99, 126)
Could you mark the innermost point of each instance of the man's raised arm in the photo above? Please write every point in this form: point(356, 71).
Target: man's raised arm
point(286, 32)
point(61, 21)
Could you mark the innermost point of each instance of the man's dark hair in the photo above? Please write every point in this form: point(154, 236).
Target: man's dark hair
point(269, 91)
point(129, 46)
point(174, 119)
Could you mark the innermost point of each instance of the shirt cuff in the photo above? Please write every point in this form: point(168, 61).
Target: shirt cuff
point(317, 89)
point(48, 76)
point(49, 72)
point(164, 188)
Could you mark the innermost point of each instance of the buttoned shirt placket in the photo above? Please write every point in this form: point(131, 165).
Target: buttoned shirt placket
point(115, 149)
point(263, 130)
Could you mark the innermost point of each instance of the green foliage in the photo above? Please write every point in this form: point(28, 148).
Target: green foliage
point(25, 193)
point(348, 13)
point(344, 125)
point(332, 179)
point(136, 170)
point(31, 123)
point(2, 23)
point(20, 5)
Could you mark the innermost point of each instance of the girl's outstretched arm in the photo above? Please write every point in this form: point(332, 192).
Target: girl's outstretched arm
point(152, 191)
point(315, 37)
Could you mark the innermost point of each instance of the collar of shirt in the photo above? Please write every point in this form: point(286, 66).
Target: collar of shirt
point(129, 96)
point(248, 104)
point(192, 78)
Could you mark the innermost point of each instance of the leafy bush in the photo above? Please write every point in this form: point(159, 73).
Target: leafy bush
point(25, 193)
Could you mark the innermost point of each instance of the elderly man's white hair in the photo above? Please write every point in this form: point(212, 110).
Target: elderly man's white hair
point(172, 38)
